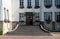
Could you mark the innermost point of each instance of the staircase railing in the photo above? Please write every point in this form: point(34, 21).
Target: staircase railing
point(44, 28)
point(16, 26)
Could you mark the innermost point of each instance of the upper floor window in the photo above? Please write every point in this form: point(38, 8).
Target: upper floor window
point(29, 4)
point(57, 15)
point(36, 3)
point(57, 3)
point(47, 3)
point(48, 16)
point(21, 3)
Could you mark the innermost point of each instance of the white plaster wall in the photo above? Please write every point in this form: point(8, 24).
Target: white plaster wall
point(16, 10)
point(7, 4)
point(1, 10)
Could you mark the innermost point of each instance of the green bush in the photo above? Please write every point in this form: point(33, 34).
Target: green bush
point(1, 32)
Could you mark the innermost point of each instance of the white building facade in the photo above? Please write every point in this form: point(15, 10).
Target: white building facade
point(31, 12)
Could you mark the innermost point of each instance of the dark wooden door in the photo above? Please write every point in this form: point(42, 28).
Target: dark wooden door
point(29, 18)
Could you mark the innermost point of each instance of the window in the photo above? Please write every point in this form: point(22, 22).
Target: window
point(37, 17)
point(21, 17)
point(29, 4)
point(36, 3)
point(21, 3)
point(57, 15)
point(47, 16)
point(47, 3)
point(57, 3)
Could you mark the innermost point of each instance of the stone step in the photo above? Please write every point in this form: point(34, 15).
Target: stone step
point(28, 30)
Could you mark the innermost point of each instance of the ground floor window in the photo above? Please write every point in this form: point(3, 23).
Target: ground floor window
point(48, 16)
point(37, 18)
point(57, 15)
point(21, 17)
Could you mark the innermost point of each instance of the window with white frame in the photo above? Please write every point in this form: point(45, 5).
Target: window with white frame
point(48, 16)
point(21, 17)
point(37, 18)
point(57, 15)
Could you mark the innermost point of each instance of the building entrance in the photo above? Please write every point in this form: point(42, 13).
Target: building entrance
point(29, 18)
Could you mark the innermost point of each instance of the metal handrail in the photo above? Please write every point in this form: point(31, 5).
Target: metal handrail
point(17, 25)
point(44, 28)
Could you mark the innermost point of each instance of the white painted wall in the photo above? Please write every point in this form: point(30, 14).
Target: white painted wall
point(8, 5)
point(16, 10)
point(1, 10)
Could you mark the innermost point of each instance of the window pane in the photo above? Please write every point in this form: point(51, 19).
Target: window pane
point(47, 16)
point(48, 2)
point(37, 17)
point(21, 17)
point(36, 2)
point(21, 3)
point(29, 3)
point(57, 2)
point(57, 14)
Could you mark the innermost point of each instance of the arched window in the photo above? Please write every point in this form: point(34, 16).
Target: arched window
point(57, 3)
point(47, 3)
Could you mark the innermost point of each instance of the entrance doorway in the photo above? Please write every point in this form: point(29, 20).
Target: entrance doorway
point(29, 18)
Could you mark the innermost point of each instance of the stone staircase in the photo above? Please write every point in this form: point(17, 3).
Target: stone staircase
point(29, 31)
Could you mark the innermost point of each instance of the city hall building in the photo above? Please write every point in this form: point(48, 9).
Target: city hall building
point(31, 12)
